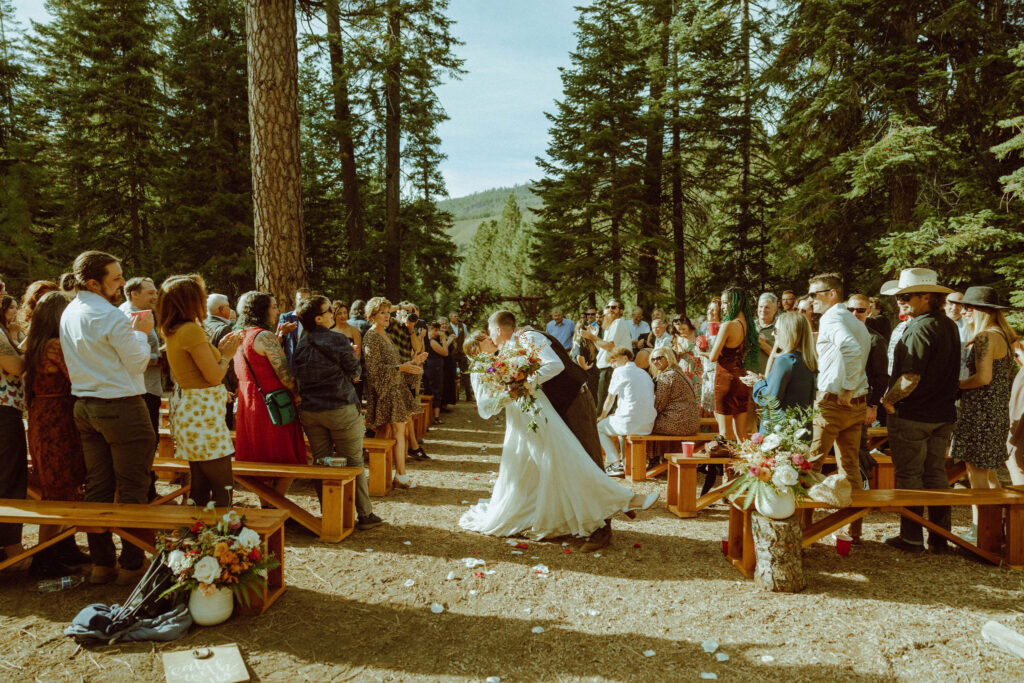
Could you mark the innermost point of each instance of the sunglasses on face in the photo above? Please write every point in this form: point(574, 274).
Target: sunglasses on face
point(853, 309)
point(904, 298)
point(814, 294)
point(657, 358)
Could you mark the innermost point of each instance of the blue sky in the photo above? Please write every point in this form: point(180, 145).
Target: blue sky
point(513, 49)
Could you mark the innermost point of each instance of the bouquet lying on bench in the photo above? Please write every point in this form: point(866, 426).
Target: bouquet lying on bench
point(777, 462)
point(217, 553)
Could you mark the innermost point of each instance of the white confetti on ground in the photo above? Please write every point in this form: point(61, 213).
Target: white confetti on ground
point(436, 607)
point(537, 629)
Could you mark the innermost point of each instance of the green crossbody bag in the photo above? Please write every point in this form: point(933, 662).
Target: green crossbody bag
point(279, 402)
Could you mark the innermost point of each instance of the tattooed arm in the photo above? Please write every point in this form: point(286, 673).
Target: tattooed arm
point(10, 360)
point(904, 386)
point(266, 344)
point(984, 349)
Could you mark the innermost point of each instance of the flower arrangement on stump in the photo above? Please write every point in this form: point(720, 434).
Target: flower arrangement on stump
point(215, 557)
point(774, 471)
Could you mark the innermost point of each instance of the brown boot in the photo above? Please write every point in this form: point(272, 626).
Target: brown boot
point(599, 539)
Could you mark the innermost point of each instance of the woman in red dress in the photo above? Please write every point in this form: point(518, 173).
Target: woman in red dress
point(54, 443)
point(261, 359)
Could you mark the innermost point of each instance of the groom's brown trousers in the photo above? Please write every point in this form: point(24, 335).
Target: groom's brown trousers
point(581, 418)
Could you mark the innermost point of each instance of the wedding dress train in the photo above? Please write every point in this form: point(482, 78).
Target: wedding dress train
point(547, 483)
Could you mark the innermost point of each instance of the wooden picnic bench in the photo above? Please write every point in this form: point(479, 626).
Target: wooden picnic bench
point(338, 497)
point(128, 520)
point(635, 451)
point(422, 421)
point(1000, 538)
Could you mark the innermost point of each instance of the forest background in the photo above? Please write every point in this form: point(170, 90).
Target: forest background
point(696, 144)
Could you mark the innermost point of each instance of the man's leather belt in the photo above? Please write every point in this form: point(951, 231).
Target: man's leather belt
point(825, 396)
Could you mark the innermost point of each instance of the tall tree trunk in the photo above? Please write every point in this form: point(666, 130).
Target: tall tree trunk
point(273, 64)
point(392, 163)
point(678, 236)
point(357, 271)
point(650, 216)
point(745, 219)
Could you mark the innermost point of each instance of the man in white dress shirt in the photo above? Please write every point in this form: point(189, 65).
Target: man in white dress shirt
point(638, 328)
point(843, 347)
point(140, 295)
point(107, 354)
point(615, 334)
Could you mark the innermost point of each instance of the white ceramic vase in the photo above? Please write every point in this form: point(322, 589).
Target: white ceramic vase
point(215, 608)
point(776, 504)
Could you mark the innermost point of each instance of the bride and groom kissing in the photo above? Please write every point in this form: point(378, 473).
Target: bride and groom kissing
point(551, 481)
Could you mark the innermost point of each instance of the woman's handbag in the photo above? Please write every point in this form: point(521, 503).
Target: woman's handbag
point(279, 402)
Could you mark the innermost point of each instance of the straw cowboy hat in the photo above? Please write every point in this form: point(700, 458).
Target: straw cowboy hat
point(916, 280)
point(982, 297)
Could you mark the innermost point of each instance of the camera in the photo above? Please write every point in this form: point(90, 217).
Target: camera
point(411, 318)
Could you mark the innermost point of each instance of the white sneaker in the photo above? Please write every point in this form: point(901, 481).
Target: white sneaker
point(971, 535)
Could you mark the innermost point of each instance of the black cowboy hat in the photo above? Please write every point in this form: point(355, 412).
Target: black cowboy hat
point(982, 297)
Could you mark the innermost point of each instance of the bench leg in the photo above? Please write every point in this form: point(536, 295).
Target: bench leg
point(638, 460)
point(332, 512)
point(274, 498)
point(682, 487)
point(28, 552)
point(380, 472)
point(741, 540)
point(1014, 551)
point(885, 473)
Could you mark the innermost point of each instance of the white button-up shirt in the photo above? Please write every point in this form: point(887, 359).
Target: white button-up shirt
point(618, 334)
point(843, 346)
point(106, 358)
point(637, 330)
point(634, 411)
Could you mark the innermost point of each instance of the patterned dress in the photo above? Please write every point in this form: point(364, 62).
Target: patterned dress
point(257, 439)
point(979, 437)
point(197, 413)
point(54, 442)
point(676, 403)
point(389, 398)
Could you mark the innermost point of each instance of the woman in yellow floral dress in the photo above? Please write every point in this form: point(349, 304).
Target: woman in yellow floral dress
point(197, 406)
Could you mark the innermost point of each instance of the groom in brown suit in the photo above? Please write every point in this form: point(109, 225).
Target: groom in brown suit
point(573, 402)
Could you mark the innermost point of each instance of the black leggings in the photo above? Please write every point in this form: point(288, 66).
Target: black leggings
point(211, 479)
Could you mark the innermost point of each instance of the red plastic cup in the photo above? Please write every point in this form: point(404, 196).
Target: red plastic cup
point(138, 314)
point(713, 328)
point(687, 447)
point(725, 546)
point(843, 543)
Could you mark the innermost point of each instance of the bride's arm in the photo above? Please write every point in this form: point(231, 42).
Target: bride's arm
point(488, 402)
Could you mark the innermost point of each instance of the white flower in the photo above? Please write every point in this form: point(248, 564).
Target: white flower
point(778, 429)
point(771, 442)
point(794, 422)
point(206, 570)
point(178, 561)
point(802, 434)
point(248, 539)
point(785, 475)
point(211, 505)
point(231, 517)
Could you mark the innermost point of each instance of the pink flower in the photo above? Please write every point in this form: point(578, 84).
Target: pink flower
point(798, 459)
point(805, 466)
point(755, 470)
point(757, 438)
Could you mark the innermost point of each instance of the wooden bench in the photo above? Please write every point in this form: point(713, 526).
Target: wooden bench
point(422, 421)
point(682, 499)
point(635, 449)
point(1001, 548)
point(127, 521)
point(338, 497)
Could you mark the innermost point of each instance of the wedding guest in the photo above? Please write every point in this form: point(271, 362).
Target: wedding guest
point(54, 442)
point(201, 435)
point(340, 323)
point(584, 353)
point(984, 417)
point(67, 283)
point(261, 368)
point(388, 399)
point(616, 334)
point(217, 325)
point(560, 328)
point(451, 371)
point(767, 306)
point(659, 337)
point(35, 291)
point(638, 327)
point(404, 335)
point(325, 365)
point(955, 311)
point(13, 449)
point(843, 345)
point(706, 335)
point(140, 295)
point(877, 371)
point(921, 400)
point(1015, 438)
point(107, 354)
point(357, 320)
point(592, 320)
point(433, 367)
point(788, 300)
point(9, 319)
point(293, 330)
point(656, 314)
point(684, 346)
point(674, 397)
point(805, 307)
point(631, 392)
point(461, 361)
point(789, 375)
point(735, 351)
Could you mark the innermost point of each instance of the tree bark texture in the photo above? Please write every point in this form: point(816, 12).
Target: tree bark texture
point(392, 162)
point(272, 54)
point(358, 274)
point(678, 235)
point(777, 547)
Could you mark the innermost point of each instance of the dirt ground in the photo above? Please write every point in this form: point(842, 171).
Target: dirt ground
point(641, 611)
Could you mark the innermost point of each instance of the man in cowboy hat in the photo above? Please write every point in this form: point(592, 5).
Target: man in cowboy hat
point(921, 400)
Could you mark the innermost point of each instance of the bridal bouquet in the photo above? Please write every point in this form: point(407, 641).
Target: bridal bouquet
point(509, 372)
point(216, 553)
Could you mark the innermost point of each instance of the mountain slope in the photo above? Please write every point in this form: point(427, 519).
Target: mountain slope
point(471, 210)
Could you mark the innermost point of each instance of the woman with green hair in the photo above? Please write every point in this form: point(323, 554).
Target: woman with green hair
point(735, 351)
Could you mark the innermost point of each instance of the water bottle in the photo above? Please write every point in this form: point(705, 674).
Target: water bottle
point(334, 462)
point(63, 583)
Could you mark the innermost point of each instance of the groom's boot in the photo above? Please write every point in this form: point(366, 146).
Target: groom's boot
point(599, 539)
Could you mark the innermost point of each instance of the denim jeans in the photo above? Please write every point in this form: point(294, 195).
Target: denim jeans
point(919, 458)
point(339, 433)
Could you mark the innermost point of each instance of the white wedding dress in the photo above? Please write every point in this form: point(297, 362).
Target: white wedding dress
point(547, 484)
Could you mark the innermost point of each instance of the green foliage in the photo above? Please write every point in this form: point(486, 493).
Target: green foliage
point(498, 257)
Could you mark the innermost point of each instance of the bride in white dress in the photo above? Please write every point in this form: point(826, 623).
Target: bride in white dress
point(547, 484)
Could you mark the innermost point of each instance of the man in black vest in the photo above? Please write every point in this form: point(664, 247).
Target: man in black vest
point(568, 393)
